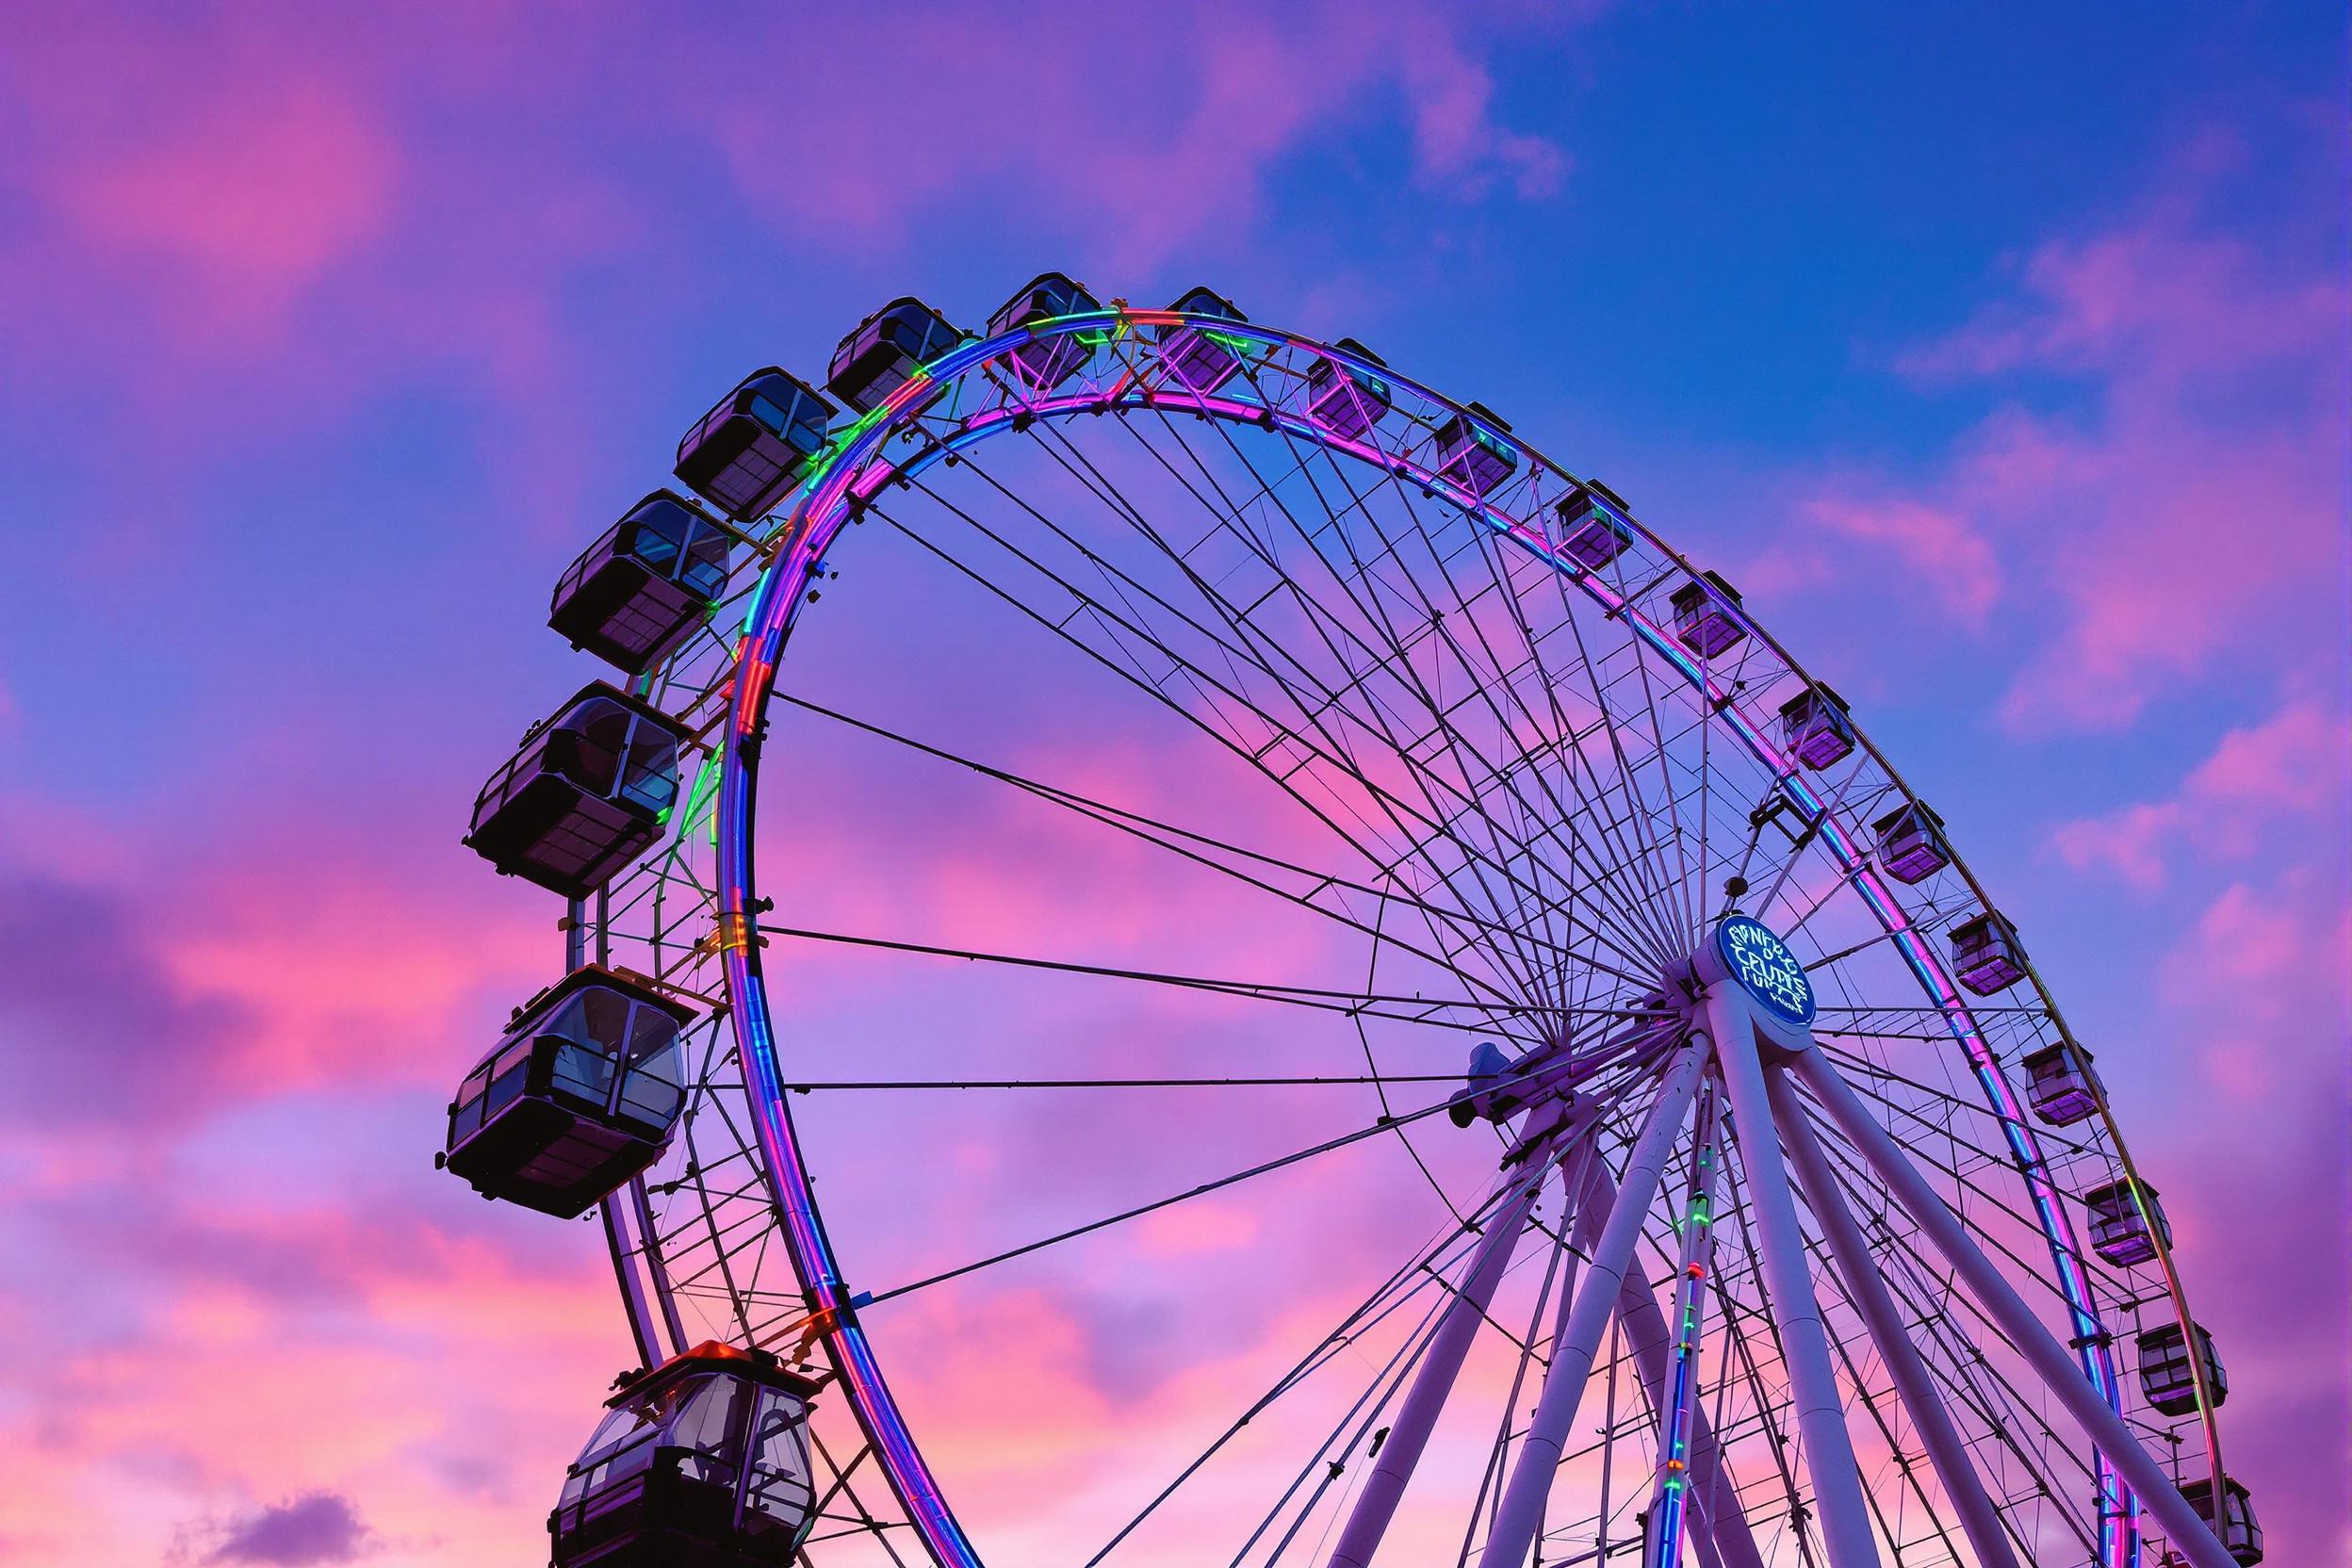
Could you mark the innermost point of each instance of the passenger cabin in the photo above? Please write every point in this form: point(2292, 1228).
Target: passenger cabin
point(1044, 363)
point(1909, 843)
point(746, 454)
point(2120, 1228)
point(1343, 399)
point(2240, 1532)
point(1706, 616)
point(2168, 1375)
point(2062, 1086)
point(1590, 531)
point(886, 351)
point(1201, 359)
point(1815, 727)
point(581, 1092)
point(641, 590)
point(1473, 457)
point(1987, 954)
point(703, 1463)
point(586, 795)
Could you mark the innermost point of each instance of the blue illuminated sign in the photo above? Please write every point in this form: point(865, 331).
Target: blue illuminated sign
point(1765, 969)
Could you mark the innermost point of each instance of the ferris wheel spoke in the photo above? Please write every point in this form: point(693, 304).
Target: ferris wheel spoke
point(1314, 705)
point(1370, 609)
point(1419, 1273)
point(1218, 1184)
point(1485, 1018)
point(1467, 803)
point(1382, 801)
point(1196, 847)
point(1642, 909)
point(1651, 857)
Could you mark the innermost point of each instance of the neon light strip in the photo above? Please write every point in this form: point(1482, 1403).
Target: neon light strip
point(811, 527)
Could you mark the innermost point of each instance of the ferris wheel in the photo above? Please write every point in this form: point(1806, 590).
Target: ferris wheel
point(1213, 741)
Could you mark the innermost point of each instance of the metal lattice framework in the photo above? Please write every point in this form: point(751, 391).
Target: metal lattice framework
point(1819, 1298)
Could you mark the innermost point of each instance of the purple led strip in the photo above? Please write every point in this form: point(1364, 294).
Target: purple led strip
point(811, 529)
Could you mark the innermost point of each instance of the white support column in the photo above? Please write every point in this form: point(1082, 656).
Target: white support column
point(1829, 1462)
point(2183, 1530)
point(1849, 1254)
point(1521, 1512)
point(1724, 1531)
point(1441, 1364)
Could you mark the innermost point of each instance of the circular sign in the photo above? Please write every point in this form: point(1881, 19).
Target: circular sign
point(1765, 969)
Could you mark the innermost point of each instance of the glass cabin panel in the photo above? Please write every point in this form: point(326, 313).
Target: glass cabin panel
point(1476, 459)
point(2063, 1087)
point(778, 1487)
point(2122, 1230)
point(1814, 728)
point(746, 454)
point(1909, 843)
point(1706, 621)
point(1589, 534)
point(1201, 359)
point(702, 564)
point(1043, 364)
point(1987, 954)
point(1345, 401)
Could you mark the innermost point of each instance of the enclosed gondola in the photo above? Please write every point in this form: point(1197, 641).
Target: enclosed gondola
point(2126, 1229)
point(1815, 727)
point(885, 351)
point(1909, 843)
point(641, 590)
point(1707, 619)
point(1343, 399)
point(1987, 954)
point(1591, 533)
point(748, 453)
point(2169, 1367)
point(1201, 359)
point(582, 1093)
point(2061, 1085)
point(1473, 452)
point(587, 794)
point(703, 1463)
point(1044, 363)
point(2239, 1531)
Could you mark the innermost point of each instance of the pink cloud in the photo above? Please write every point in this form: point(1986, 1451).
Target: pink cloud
point(262, 190)
point(1233, 92)
point(2187, 517)
point(1954, 557)
point(2287, 767)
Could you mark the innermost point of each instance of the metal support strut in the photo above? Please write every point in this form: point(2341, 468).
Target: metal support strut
point(1829, 1461)
point(1521, 1513)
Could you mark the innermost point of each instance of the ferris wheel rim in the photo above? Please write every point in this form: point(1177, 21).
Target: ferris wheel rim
point(819, 507)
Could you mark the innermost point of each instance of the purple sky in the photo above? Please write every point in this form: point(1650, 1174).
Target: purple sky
point(2000, 359)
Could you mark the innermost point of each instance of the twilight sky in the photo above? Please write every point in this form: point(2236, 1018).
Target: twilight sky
point(1998, 352)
